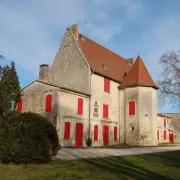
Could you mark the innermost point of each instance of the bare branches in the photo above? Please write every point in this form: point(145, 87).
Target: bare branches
point(170, 82)
point(1, 57)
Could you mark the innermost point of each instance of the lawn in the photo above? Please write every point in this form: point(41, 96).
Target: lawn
point(141, 167)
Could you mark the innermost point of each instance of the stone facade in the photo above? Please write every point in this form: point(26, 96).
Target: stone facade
point(71, 78)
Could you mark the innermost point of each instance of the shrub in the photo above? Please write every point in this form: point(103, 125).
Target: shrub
point(88, 142)
point(27, 138)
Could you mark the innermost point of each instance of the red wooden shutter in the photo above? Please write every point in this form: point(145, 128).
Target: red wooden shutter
point(158, 134)
point(105, 111)
point(164, 134)
point(115, 133)
point(106, 85)
point(19, 108)
point(95, 132)
point(132, 108)
point(67, 130)
point(164, 122)
point(48, 103)
point(80, 106)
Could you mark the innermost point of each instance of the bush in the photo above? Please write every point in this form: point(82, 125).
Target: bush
point(27, 138)
point(88, 142)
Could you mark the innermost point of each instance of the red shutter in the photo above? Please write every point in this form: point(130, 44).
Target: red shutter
point(164, 122)
point(80, 106)
point(48, 103)
point(95, 132)
point(106, 85)
point(115, 133)
point(105, 111)
point(158, 134)
point(67, 130)
point(132, 108)
point(164, 134)
point(19, 108)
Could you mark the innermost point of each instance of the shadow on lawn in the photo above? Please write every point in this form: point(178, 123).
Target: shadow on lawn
point(121, 168)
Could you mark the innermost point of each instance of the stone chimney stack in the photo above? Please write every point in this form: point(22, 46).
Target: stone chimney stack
point(75, 30)
point(131, 61)
point(44, 72)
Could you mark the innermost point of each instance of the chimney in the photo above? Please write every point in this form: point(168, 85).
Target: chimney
point(131, 61)
point(75, 30)
point(44, 72)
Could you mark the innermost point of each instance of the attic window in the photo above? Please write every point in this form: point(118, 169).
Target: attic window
point(104, 67)
point(82, 38)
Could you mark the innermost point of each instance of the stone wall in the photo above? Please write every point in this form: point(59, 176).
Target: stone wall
point(99, 97)
point(143, 123)
point(68, 113)
point(34, 98)
point(69, 69)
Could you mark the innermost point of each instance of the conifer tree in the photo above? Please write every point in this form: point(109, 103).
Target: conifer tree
point(9, 89)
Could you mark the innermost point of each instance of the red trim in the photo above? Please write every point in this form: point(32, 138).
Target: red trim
point(115, 133)
point(132, 108)
point(95, 132)
point(158, 134)
point(106, 85)
point(164, 134)
point(80, 106)
point(48, 103)
point(164, 122)
point(67, 130)
point(19, 108)
point(105, 111)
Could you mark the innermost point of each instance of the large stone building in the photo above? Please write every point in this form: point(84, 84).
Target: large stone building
point(89, 91)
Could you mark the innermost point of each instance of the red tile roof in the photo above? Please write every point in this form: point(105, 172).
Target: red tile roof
point(138, 76)
point(97, 56)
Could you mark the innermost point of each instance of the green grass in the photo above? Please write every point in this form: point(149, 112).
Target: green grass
point(141, 167)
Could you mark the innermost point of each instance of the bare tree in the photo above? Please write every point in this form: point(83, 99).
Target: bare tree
point(170, 83)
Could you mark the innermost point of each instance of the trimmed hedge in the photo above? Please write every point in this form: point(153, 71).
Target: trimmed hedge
point(27, 138)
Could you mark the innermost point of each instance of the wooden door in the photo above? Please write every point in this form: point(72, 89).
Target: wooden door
point(171, 136)
point(79, 134)
point(106, 135)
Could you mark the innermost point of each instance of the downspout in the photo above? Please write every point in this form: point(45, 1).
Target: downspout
point(119, 116)
point(89, 102)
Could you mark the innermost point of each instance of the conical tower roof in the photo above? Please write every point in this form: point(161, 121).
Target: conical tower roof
point(138, 76)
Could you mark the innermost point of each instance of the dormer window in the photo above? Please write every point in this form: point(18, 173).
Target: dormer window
point(104, 67)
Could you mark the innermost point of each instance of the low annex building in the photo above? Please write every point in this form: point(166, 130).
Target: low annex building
point(89, 91)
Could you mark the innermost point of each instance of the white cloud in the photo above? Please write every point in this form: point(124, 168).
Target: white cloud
point(32, 30)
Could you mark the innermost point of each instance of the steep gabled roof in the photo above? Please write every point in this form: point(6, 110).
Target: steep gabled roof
point(100, 57)
point(138, 76)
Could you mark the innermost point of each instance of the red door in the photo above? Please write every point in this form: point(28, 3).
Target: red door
point(170, 136)
point(79, 134)
point(106, 135)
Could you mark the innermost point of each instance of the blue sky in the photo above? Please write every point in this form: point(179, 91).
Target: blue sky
point(31, 31)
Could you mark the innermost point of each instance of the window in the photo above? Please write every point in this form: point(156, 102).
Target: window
point(164, 122)
point(67, 130)
point(19, 106)
point(164, 134)
point(132, 108)
point(115, 133)
point(95, 132)
point(95, 114)
point(105, 111)
point(132, 128)
point(106, 85)
point(158, 134)
point(48, 103)
point(80, 106)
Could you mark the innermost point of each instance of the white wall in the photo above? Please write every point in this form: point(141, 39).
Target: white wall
point(112, 99)
point(68, 113)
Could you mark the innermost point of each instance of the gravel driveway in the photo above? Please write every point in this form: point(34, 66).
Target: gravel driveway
point(77, 153)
